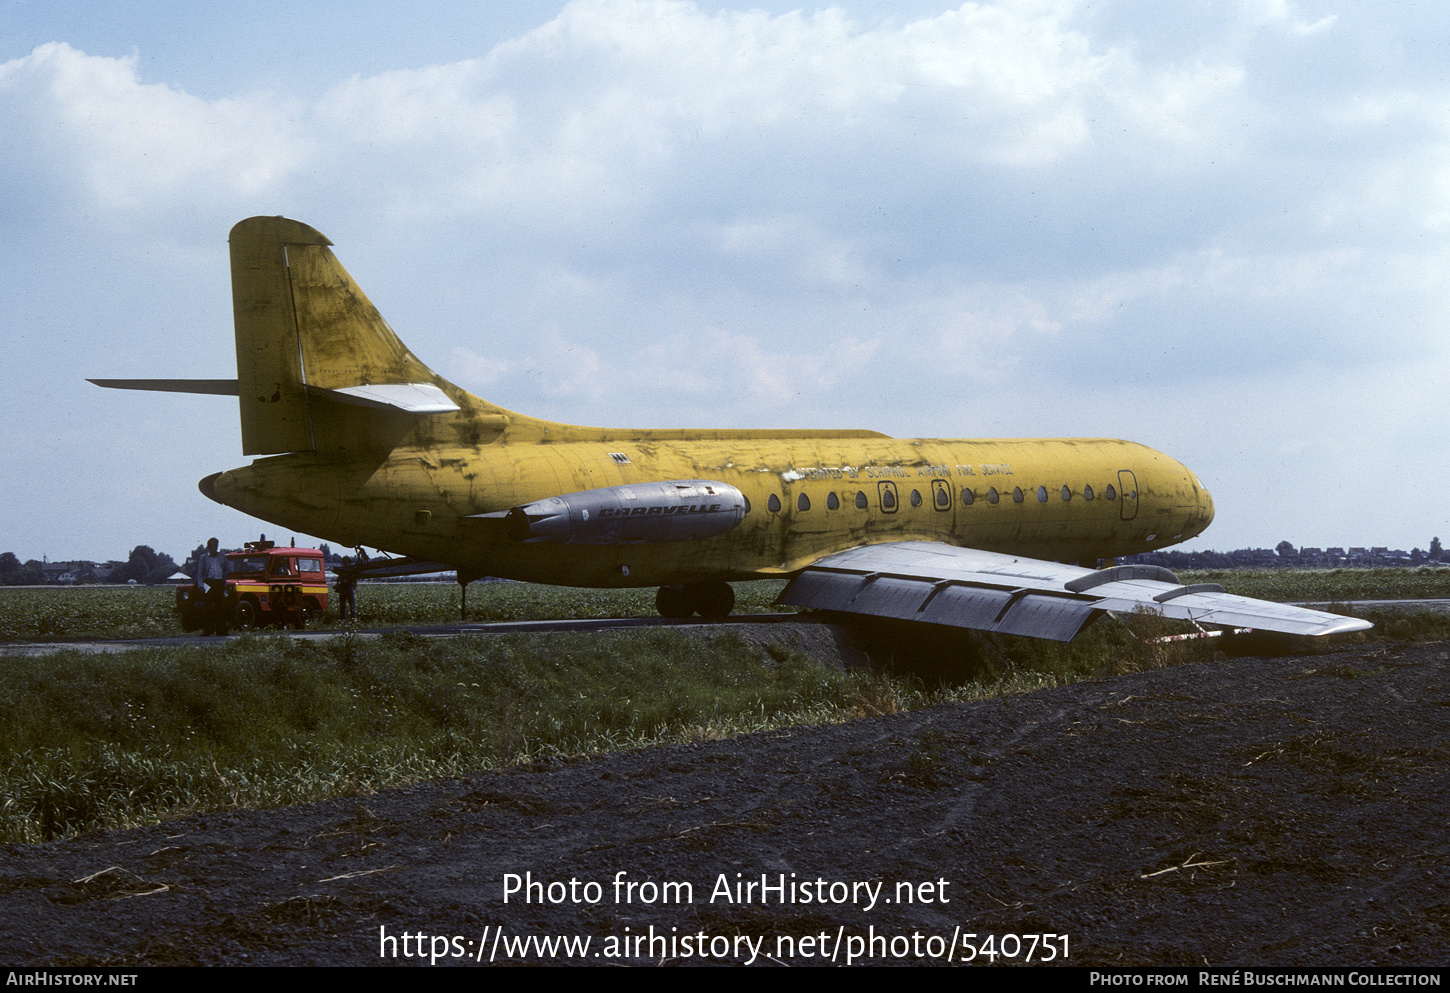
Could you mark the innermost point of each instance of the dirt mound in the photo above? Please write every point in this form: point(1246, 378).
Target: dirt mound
point(1251, 812)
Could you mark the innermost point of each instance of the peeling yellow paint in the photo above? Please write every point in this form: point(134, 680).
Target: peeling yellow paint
point(413, 484)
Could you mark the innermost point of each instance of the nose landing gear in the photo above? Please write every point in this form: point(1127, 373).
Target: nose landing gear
point(712, 601)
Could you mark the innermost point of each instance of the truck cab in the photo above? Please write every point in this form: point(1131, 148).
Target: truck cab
point(266, 584)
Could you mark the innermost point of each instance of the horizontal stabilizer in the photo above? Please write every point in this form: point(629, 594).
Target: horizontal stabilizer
point(411, 398)
point(988, 591)
point(217, 387)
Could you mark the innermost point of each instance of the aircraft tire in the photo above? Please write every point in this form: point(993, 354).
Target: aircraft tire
point(712, 601)
point(674, 602)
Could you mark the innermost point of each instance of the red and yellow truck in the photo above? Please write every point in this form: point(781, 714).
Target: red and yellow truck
point(265, 585)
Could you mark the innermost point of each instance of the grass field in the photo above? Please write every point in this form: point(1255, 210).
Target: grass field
point(74, 612)
point(102, 741)
point(47, 614)
point(117, 740)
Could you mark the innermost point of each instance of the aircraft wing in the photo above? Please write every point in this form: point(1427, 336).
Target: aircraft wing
point(989, 591)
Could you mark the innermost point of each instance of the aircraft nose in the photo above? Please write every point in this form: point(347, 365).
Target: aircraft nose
point(1205, 503)
point(208, 487)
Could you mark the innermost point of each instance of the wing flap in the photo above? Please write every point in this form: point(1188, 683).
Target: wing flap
point(988, 591)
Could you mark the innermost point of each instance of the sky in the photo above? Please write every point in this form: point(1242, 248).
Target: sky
point(1216, 228)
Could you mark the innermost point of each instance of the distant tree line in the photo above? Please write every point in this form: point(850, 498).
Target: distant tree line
point(1285, 556)
point(144, 565)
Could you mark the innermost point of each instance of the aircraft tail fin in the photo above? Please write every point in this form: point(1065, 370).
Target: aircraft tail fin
point(318, 369)
point(306, 334)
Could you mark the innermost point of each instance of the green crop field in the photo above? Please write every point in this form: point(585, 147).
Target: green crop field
point(75, 612)
point(60, 613)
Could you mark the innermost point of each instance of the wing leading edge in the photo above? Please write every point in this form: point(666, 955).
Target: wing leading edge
point(989, 591)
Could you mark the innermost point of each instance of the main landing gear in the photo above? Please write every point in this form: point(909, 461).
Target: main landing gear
point(712, 601)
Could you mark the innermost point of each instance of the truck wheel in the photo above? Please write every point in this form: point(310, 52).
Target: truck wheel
point(247, 616)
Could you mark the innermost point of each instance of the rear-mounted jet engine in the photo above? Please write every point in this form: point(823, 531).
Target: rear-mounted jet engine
point(675, 510)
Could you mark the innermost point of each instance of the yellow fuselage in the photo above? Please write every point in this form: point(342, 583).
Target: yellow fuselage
point(805, 495)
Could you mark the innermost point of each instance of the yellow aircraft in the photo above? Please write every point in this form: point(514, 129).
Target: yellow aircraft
point(365, 445)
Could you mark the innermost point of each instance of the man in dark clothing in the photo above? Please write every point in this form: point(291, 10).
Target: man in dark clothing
point(211, 578)
point(346, 590)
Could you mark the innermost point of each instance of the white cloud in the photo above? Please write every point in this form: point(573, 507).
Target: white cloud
point(643, 210)
point(132, 144)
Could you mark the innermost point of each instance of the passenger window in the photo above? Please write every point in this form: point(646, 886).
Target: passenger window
point(968, 497)
point(773, 503)
point(831, 502)
point(1110, 494)
point(1017, 494)
point(803, 502)
point(915, 498)
point(887, 493)
point(942, 494)
point(1066, 494)
point(1042, 494)
point(860, 499)
point(1087, 492)
point(992, 495)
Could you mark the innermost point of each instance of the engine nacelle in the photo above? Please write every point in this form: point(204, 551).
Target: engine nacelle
point(676, 510)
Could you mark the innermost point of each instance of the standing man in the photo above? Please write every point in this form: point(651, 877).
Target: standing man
point(346, 589)
point(211, 578)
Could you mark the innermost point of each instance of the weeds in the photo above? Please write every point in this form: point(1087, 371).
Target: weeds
point(115, 741)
